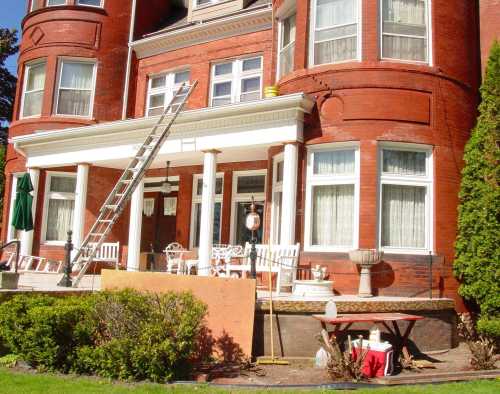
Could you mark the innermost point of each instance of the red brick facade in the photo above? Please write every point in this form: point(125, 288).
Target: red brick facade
point(367, 101)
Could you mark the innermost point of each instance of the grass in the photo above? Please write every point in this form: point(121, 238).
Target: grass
point(23, 383)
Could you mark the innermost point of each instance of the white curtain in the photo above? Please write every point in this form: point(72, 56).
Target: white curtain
point(334, 162)
point(60, 219)
point(405, 29)
point(404, 163)
point(403, 216)
point(34, 90)
point(76, 88)
point(333, 215)
point(336, 31)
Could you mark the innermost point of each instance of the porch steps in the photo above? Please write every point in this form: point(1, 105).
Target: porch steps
point(131, 177)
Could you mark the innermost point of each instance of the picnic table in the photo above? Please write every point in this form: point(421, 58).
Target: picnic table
point(343, 322)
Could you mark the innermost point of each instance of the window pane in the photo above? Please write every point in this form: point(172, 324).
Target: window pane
point(158, 82)
point(62, 184)
point(333, 215)
point(250, 96)
point(224, 68)
point(251, 184)
point(250, 85)
point(288, 31)
point(280, 168)
point(403, 216)
point(336, 51)
point(222, 89)
point(404, 48)
point(157, 100)
point(218, 186)
point(243, 235)
point(36, 77)
point(404, 162)
point(338, 162)
point(32, 105)
point(96, 3)
point(77, 75)
point(217, 223)
point(59, 219)
point(56, 2)
point(252, 64)
point(74, 102)
point(182, 76)
point(155, 111)
point(335, 12)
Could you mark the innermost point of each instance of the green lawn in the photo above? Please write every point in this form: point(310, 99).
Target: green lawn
point(20, 383)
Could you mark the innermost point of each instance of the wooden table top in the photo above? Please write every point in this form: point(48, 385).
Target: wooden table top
point(367, 317)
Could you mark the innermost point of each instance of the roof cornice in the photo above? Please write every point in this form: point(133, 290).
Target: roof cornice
point(234, 25)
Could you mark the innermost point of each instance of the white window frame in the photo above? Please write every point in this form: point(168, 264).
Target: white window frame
point(168, 90)
point(27, 69)
point(236, 77)
point(196, 199)
point(46, 198)
point(415, 180)
point(58, 86)
point(11, 231)
point(245, 197)
point(323, 180)
point(282, 49)
point(276, 188)
point(210, 3)
point(429, 31)
point(55, 5)
point(359, 35)
point(101, 5)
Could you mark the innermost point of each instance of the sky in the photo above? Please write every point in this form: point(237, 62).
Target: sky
point(11, 14)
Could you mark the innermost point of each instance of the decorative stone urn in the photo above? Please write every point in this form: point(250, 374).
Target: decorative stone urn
point(365, 258)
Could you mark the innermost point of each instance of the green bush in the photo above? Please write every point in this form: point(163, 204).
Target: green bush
point(123, 335)
point(477, 263)
point(489, 327)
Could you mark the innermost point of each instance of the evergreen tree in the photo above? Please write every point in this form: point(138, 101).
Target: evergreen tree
point(8, 47)
point(477, 263)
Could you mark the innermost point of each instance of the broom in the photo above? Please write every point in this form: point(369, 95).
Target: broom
point(273, 360)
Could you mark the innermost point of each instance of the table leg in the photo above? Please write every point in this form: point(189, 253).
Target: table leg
point(403, 340)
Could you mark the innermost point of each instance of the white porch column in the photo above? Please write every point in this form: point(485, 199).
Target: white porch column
point(135, 227)
point(82, 177)
point(289, 203)
point(207, 211)
point(27, 236)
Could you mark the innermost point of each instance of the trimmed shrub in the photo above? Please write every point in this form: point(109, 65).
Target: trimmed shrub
point(477, 263)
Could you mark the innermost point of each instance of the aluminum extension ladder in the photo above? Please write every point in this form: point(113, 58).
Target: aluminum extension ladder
point(122, 192)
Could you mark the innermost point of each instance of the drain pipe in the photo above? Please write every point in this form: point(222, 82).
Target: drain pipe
point(129, 60)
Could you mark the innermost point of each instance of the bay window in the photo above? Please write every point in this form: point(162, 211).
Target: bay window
point(405, 199)
point(196, 209)
point(161, 90)
point(34, 83)
point(405, 30)
point(335, 31)
point(75, 90)
point(332, 195)
point(236, 81)
point(247, 184)
point(58, 207)
point(286, 45)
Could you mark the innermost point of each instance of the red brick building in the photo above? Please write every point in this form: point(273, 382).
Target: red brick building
point(361, 149)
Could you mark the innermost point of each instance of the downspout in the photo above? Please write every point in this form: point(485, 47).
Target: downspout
point(129, 60)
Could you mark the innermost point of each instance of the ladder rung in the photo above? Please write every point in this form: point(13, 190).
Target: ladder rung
point(96, 234)
point(126, 181)
point(111, 206)
point(134, 169)
point(105, 220)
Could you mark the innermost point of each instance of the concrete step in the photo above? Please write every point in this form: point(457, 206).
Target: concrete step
point(46, 281)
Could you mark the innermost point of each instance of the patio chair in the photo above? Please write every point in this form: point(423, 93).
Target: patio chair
point(175, 263)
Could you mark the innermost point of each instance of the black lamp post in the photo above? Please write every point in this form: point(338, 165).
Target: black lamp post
point(66, 279)
point(252, 223)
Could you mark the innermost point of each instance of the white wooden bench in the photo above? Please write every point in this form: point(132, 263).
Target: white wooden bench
point(283, 260)
point(108, 253)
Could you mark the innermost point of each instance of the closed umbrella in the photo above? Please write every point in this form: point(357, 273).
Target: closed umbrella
point(23, 217)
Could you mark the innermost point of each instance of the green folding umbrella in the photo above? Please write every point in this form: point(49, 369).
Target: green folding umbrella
point(23, 217)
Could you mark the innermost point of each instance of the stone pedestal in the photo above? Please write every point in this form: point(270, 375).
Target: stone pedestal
point(365, 282)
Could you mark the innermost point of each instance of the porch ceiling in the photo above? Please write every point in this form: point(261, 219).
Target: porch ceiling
point(242, 132)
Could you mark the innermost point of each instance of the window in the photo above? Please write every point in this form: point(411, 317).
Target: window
point(247, 184)
point(161, 90)
point(287, 45)
point(34, 82)
point(35, 5)
point(75, 88)
point(332, 195)
point(277, 204)
point(200, 3)
point(236, 81)
point(196, 209)
point(93, 3)
point(55, 2)
point(405, 30)
point(335, 32)
point(405, 194)
point(12, 233)
point(59, 206)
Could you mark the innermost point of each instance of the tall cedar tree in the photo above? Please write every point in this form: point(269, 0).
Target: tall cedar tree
point(477, 262)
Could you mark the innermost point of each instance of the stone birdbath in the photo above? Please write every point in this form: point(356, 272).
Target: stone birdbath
point(366, 259)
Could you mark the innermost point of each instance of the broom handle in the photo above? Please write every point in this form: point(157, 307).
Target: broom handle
point(271, 308)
